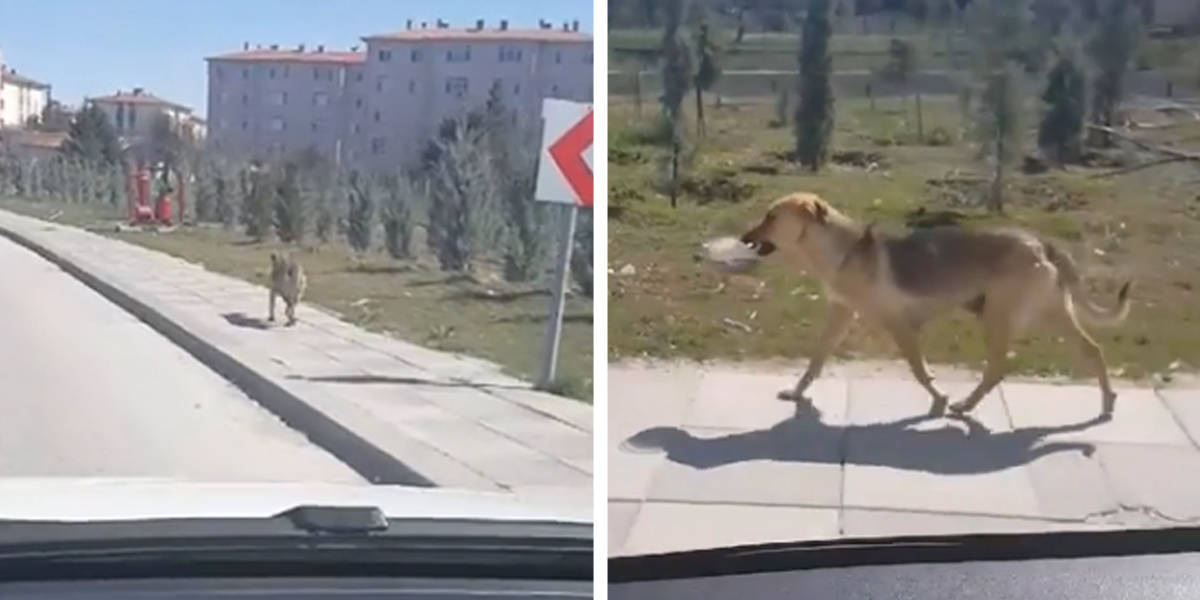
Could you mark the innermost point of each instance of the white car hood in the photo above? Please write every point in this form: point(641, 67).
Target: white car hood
point(94, 499)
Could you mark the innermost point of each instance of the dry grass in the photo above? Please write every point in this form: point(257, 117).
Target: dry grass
point(411, 300)
point(1143, 225)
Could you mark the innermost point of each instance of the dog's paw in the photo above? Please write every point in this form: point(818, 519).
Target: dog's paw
point(938, 409)
point(790, 395)
point(960, 408)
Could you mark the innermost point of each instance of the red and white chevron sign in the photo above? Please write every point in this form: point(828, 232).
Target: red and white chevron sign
point(565, 165)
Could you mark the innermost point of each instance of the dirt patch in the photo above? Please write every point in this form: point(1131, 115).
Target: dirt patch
point(721, 185)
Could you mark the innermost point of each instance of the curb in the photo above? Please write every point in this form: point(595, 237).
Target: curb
point(368, 460)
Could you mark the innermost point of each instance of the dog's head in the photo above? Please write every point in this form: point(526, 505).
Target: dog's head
point(787, 223)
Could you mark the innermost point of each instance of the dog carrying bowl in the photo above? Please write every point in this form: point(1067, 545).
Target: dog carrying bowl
point(729, 254)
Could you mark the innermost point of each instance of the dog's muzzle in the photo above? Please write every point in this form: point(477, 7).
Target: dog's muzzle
point(762, 248)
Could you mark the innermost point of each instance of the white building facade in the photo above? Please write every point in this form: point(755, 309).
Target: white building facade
point(132, 115)
point(21, 99)
point(378, 108)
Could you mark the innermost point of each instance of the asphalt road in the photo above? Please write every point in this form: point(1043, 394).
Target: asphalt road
point(87, 390)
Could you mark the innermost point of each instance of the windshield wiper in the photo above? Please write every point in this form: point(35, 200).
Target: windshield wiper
point(793, 556)
point(311, 540)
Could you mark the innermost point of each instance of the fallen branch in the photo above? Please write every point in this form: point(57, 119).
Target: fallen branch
point(1153, 163)
point(1179, 154)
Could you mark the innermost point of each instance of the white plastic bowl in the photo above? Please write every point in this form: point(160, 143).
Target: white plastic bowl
point(729, 254)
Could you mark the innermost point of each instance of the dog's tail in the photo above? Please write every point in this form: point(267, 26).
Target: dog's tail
point(1069, 278)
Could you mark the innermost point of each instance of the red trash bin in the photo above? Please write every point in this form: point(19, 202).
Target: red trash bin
point(162, 209)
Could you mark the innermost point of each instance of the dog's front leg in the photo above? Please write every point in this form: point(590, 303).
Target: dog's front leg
point(840, 317)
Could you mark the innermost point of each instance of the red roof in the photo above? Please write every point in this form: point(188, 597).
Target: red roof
point(491, 35)
point(292, 56)
point(138, 98)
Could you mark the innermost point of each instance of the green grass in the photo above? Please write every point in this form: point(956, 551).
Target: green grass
point(1143, 225)
point(411, 300)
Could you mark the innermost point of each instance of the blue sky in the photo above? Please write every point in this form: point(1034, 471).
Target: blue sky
point(92, 48)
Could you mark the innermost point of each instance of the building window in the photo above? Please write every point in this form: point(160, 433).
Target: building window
point(277, 124)
point(320, 99)
point(516, 89)
point(358, 76)
point(376, 116)
point(412, 86)
point(271, 73)
point(329, 74)
point(245, 99)
point(376, 145)
point(223, 98)
point(315, 126)
point(456, 86)
point(358, 103)
point(277, 98)
point(245, 125)
point(285, 98)
point(132, 116)
point(379, 85)
point(414, 56)
point(245, 73)
point(510, 54)
point(462, 55)
point(554, 89)
point(218, 73)
point(316, 74)
point(385, 55)
point(286, 71)
point(357, 128)
point(120, 116)
point(558, 57)
point(277, 148)
point(587, 58)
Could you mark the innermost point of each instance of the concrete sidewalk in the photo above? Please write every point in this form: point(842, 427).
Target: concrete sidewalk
point(394, 411)
point(703, 456)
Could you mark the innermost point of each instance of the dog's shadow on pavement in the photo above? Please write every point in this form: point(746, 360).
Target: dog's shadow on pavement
point(944, 450)
point(241, 319)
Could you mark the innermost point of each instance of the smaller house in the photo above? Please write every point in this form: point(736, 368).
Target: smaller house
point(133, 113)
point(21, 98)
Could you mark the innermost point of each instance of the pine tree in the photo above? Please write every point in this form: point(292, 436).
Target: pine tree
point(814, 112)
point(1061, 129)
point(91, 137)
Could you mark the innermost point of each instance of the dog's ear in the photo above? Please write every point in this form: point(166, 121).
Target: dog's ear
point(820, 211)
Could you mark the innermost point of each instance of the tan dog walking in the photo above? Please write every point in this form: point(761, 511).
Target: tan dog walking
point(1010, 279)
point(287, 282)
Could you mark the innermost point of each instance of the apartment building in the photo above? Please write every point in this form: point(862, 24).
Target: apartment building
point(133, 113)
point(21, 98)
point(378, 108)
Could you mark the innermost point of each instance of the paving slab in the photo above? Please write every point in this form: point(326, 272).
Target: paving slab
point(667, 527)
point(747, 401)
point(1071, 484)
point(361, 392)
point(640, 401)
point(621, 514)
point(1068, 412)
point(794, 463)
point(1155, 479)
point(1185, 407)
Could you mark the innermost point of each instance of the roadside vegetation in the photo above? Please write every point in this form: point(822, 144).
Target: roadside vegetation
point(1019, 144)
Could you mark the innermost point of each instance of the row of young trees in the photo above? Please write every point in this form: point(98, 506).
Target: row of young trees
point(1081, 53)
point(472, 195)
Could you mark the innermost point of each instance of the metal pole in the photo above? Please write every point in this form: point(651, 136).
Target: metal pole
point(566, 243)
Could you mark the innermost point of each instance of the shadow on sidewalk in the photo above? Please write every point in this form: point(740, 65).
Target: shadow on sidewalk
point(240, 319)
point(804, 438)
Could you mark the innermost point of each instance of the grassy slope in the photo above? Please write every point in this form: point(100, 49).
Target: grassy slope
point(1144, 225)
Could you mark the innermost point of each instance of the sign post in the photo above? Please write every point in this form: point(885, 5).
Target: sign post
point(564, 177)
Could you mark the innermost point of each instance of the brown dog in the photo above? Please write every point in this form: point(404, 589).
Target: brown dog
point(287, 282)
point(1010, 279)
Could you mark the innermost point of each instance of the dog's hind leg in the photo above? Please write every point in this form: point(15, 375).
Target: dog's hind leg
point(997, 331)
point(838, 323)
point(907, 339)
point(1093, 355)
